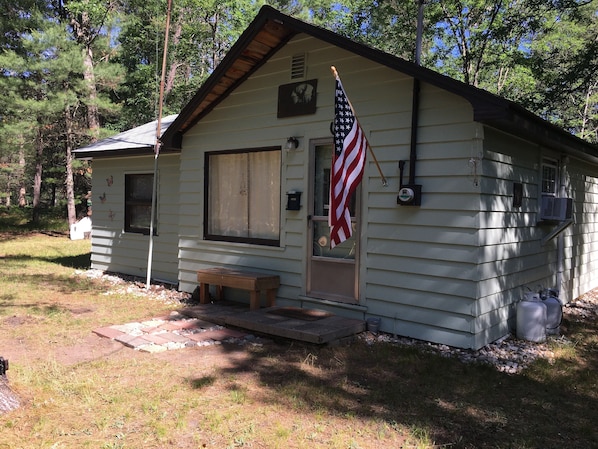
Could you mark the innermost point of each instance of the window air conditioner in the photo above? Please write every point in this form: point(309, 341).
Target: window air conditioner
point(558, 209)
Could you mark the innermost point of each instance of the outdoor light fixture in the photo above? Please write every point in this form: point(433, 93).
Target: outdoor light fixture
point(292, 143)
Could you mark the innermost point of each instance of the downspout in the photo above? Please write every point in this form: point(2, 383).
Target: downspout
point(410, 193)
point(414, 125)
point(416, 90)
point(415, 94)
point(560, 245)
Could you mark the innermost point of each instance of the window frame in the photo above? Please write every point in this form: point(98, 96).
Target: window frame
point(274, 242)
point(553, 164)
point(130, 202)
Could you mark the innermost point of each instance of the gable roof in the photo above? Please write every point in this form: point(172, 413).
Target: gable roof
point(271, 30)
point(134, 141)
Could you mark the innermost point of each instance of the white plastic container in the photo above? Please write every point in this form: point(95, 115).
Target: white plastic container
point(531, 318)
point(554, 315)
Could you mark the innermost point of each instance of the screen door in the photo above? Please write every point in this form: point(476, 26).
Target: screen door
point(332, 273)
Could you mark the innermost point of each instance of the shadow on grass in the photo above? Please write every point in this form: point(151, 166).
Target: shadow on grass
point(44, 282)
point(457, 405)
point(79, 261)
point(202, 382)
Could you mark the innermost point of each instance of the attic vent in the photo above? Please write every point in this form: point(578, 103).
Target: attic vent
point(298, 66)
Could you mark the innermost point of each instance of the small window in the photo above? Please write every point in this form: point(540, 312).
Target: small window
point(243, 196)
point(138, 202)
point(549, 177)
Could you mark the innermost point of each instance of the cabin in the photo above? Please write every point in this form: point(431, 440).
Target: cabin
point(122, 184)
point(467, 201)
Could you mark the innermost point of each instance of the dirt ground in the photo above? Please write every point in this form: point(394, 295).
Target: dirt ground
point(222, 392)
point(91, 346)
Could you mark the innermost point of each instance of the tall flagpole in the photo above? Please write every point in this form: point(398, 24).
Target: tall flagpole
point(150, 251)
point(384, 181)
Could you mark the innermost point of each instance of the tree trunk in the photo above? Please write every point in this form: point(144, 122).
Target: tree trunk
point(21, 175)
point(93, 119)
point(37, 178)
point(83, 31)
point(174, 65)
point(586, 132)
point(70, 184)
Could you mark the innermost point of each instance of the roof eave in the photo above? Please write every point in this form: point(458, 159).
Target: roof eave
point(523, 124)
point(106, 154)
point(488, 108)
point(173, 136)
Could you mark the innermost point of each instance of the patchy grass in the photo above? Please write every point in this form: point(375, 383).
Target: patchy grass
point(81, 391)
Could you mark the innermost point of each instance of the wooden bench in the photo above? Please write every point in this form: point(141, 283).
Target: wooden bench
point(255, 283)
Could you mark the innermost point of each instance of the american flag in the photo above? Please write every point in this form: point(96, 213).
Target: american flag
point(348, 162)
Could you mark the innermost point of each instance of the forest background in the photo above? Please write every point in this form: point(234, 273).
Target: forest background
point(76, 71)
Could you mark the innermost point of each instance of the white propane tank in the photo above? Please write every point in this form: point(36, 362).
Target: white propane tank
point(531, 318)
point(554, 314)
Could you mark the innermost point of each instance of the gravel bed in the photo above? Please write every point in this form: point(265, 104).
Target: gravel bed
point(133, 285)
point(508, 354)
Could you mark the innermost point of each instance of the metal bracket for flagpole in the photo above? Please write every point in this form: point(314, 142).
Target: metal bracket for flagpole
point(384, 181)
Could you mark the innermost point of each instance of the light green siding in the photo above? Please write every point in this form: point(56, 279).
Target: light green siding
point(580, 242)
point(418, 264)
point(115, 250)
point(514, 256)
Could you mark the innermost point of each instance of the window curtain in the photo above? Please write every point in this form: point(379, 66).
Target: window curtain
point(228, 195)
point(264, 199)
point(244, 194)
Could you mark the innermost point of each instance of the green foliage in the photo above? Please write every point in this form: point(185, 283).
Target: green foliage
point(542, 54)
point(539, 53)
point(46, 109)
point(18, 219)
point(196, 47)
point(564, 63)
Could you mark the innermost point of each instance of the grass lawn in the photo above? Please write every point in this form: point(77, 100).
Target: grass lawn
point(81, 391)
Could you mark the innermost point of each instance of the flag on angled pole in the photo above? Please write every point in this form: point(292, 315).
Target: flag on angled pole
point(348, 162)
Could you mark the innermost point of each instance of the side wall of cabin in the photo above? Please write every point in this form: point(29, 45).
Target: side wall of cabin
point(115, 250)
point(517, 252)
point(579, 265)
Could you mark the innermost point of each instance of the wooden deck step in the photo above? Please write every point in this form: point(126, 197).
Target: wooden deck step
point(315, 327)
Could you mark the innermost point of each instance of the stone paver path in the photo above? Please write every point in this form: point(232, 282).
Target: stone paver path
point(172, 332)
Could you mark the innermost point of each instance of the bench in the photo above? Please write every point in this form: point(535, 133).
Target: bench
point(255, 283)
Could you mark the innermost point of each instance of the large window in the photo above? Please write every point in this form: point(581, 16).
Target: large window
point(138, 202)
point(243, 196)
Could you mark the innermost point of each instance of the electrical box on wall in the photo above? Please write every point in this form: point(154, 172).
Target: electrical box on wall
point(410, 195)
